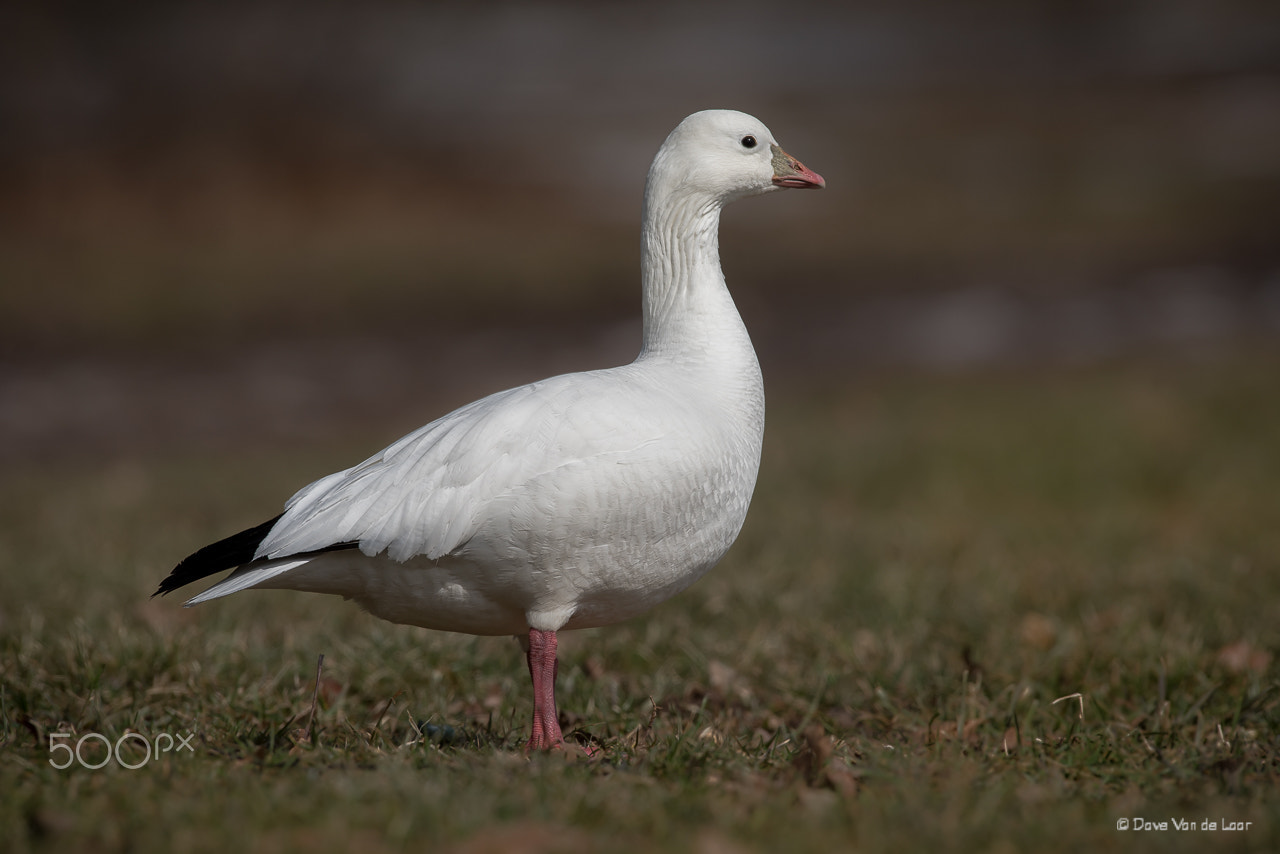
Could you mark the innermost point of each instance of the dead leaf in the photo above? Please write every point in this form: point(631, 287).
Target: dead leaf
point(1243, 656)
point(1039, 631)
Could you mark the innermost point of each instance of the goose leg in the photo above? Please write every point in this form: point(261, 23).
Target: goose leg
point(541, 655)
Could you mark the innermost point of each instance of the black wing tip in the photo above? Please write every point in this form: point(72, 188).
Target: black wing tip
point(235, 550)
point(172, 582)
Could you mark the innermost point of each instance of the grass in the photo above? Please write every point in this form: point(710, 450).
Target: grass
point(982, 612)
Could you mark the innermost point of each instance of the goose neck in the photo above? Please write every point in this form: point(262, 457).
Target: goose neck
point(683, 285)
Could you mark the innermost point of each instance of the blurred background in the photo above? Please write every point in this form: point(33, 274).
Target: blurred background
point(231, 222)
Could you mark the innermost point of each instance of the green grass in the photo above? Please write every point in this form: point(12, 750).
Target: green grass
point(991, 613)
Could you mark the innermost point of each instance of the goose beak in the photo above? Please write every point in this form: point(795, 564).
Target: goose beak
point(789, 172)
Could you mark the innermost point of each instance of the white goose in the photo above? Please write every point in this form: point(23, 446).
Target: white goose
point(577, 501)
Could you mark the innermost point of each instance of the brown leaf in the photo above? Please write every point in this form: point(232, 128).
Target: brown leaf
point(1039, 631)
point(842, 778)
point(329, 690)
point(948, 729)
point(1243, 656)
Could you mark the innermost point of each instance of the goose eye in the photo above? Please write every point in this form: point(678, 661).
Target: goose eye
point(748, 141)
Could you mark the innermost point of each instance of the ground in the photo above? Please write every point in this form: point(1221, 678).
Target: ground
point(991, 610)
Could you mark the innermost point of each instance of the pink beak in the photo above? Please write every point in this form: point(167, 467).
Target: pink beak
point(789, 172)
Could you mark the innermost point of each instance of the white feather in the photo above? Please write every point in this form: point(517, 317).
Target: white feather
point(245, 578)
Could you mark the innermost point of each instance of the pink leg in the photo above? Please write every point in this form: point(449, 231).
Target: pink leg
point(546, 733)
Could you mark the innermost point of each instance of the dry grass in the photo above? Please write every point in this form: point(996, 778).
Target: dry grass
point(995, 613)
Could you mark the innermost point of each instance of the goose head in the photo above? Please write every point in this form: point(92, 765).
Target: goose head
point(724, 155)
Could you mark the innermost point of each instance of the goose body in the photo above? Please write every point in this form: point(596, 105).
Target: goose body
point(577, 501)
